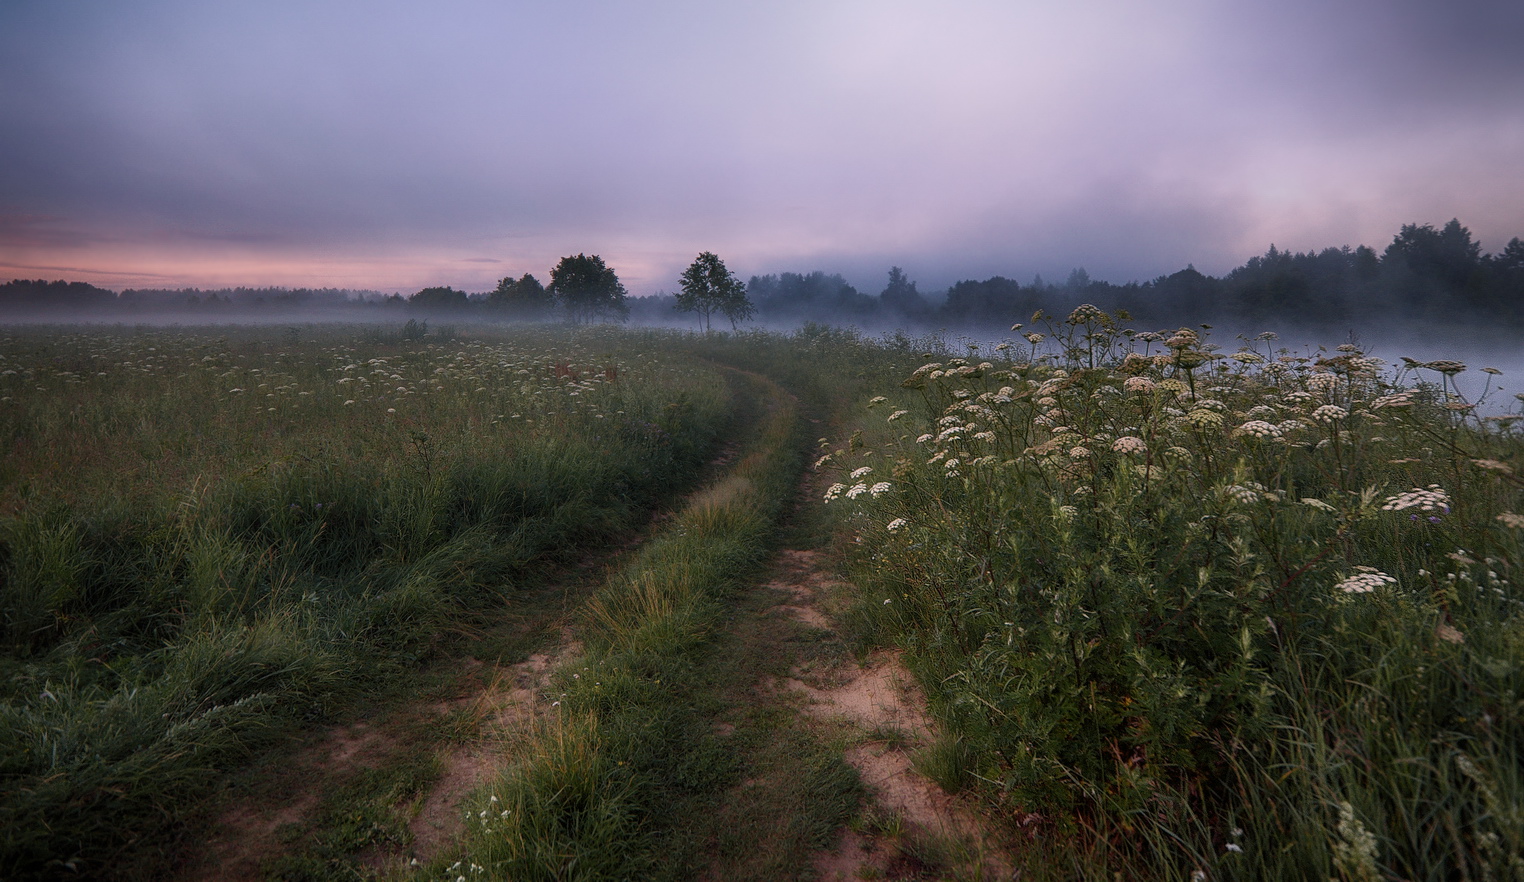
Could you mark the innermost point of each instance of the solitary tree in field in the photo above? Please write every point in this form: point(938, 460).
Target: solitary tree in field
point(587, 289)
point(709, 288)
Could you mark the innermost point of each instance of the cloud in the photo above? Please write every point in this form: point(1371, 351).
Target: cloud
point(984, 137)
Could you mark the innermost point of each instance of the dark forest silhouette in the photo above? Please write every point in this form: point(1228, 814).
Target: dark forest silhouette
point(1428, 275)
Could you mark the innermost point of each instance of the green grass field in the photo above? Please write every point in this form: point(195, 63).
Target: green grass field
point(1179, 613)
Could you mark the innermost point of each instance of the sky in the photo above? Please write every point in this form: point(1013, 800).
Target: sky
point(396, 145)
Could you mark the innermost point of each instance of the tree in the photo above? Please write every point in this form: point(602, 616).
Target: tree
point(587, 289)
point(439, 299)
point(709, 288)
point(523, 298)
point(901, 297)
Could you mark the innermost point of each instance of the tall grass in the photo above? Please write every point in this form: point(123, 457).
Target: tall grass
point(1244, 615)
point(207, 541)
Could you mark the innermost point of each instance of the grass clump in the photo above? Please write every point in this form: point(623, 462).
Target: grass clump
point(1248, 615)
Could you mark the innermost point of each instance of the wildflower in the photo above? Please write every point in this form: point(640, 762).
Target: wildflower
point(349, 402)
point(1355, 852)
point(1247, 357)
point(1129, 444)
point(1204, 419)
point(857, 490)
point(1329, 413)
point(924, 438)
point(876, 400)
point(951, 465)
point(1509, 519)
point(1431, 499)
point(1260, 429)
point(896, 525)
point(859, 472)
point(1247, 493)
point(1448, 634)
point(897, 414)
point(1445, 366)
point(1364, 581)
point(1085, 313)
point(1141, 385)
point(834, 491)
point(1318, 504)
point(1492, 465)
point(1396, 399)
point(879, 489)
point(1035, 338)
point(1079, 452)
point(1184, 338)
point(1322, 383)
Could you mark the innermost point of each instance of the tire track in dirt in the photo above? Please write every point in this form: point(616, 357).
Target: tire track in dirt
point(879, 698)
point(497, 703)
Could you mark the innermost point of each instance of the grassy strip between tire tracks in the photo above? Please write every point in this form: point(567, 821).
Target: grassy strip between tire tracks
point(616, 777)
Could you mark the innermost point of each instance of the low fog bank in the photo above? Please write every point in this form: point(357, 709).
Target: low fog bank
point(1431, 293)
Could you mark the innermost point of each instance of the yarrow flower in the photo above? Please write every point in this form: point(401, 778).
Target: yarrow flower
point(897, 414)
point(896, 525)
point(1129, 444)
point(1247, 494)
point(857, 490)
point(1396, 399)
point(1329, 413)
point(1510, 519)
point(1364, 581)
point(1260, 429)
point(859, 472)
point(1323, 383)
point(1431, 499)
point(1079, 452)
point(1142, 385)
point(834, 491)
point(1202, 418)
point(879, 489)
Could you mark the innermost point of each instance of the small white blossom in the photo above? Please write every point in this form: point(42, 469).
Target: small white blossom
point(1431, 499)
point(1364, 581)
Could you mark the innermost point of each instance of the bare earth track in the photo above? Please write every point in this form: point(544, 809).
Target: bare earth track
point(876, 697)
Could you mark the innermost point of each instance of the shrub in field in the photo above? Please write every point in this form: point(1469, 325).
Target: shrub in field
point(1249, 614)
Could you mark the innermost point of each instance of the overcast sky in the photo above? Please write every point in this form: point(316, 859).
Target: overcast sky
point(394, 145)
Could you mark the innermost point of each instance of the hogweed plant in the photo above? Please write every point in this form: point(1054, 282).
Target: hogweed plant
point(1208, 611)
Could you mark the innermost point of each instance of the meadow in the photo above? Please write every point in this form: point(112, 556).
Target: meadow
point(211, 539)
point(1194, 613)
point(1179, 612)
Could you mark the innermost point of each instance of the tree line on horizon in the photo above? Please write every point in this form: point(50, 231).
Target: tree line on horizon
point(1426, 274)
